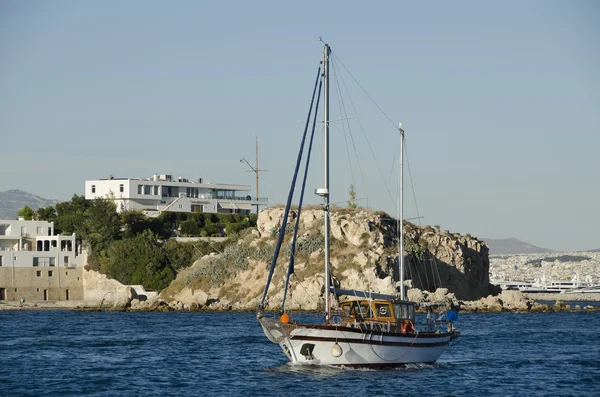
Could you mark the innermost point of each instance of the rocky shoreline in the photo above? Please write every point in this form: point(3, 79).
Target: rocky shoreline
point(507, 301)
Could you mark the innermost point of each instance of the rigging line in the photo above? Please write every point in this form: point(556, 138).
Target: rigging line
point(412, 185)
point(301, 200)
point(290, 194)
point(365, 91)
point(416, 266)
point(437, 269)
point(433, 272)
point(423, 265)
point(370, 147)
point(400, 356)
point(362, 176)
point(344, 115)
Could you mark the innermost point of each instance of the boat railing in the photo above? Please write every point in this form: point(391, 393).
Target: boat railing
point(438, 326)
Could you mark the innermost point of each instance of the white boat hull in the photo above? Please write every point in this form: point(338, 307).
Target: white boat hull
point(315, 344)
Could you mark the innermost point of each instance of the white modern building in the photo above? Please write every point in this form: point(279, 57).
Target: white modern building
point(36, 264)
point(165, 193)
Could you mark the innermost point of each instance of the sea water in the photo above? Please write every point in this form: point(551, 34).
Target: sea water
point(71, 353)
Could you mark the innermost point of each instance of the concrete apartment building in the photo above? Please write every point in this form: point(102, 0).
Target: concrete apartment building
point(37, 265)
point(164, 193)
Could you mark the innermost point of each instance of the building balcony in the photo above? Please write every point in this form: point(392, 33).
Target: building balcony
point(241, 198)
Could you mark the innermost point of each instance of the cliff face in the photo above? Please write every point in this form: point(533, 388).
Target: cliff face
point(363, 257)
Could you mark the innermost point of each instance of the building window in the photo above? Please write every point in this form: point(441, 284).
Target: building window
point(38, 290)
point(40, 230)
point(93, 188)
point(139, 189)
point(0, 260)
point(156, 190)
point(66, 273)
point(38, 273)
point(36, 261)
point(147, 189)
point(51, 261)
point(121, 188)
point(49, 273)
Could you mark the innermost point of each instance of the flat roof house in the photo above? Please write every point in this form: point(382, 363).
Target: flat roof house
point(36, 264)
point(162, 192)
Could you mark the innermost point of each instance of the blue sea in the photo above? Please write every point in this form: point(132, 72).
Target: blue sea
point(70, 353)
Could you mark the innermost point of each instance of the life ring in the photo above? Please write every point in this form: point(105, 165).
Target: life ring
point(408, 327)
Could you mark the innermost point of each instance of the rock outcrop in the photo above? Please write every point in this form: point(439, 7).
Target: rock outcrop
point(363, 257)
point(102, 292)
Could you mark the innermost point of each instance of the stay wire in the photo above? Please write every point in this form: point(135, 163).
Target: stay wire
point(367, 139)
point(365, 91)
point(362, 176)
point(344, 115)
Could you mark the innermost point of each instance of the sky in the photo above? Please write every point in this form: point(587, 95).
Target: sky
point(500, 102)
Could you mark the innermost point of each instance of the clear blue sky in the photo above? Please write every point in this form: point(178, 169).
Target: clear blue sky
point(500, 101)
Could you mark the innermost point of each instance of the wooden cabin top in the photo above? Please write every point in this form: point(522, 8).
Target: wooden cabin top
point(377, 310)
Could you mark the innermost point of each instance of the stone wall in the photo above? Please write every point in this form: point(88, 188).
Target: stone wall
point(38, 284)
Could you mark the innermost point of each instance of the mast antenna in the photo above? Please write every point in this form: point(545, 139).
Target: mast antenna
point(255, 169)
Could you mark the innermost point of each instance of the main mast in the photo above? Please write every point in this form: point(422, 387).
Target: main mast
point(326, 51)
point(401, 213)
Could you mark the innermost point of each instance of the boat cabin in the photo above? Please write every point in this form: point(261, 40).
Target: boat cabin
point(392, 313)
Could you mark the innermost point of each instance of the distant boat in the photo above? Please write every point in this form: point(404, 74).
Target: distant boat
point(575, 285)
point(370, 330)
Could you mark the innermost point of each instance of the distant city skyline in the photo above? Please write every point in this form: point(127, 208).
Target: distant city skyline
point(499, 102)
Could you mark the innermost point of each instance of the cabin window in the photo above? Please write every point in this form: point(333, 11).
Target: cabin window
point(404, 311)
point(383, 310)
point(360, 309)
point(346, 310)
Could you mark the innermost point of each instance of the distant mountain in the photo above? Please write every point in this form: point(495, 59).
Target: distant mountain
point(509, 246)
point(596, 250)
point(11, 201)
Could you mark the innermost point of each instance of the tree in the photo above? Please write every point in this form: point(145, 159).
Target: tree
point(179, 255)
point(140, 260)
point(27, 213)
point(352, 201)
point(46, 214)
point(70, 215)
point(189, 228)
point(134, 222)
point(101, 225)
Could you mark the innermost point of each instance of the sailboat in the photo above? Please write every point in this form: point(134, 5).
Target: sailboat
point(368, 329)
